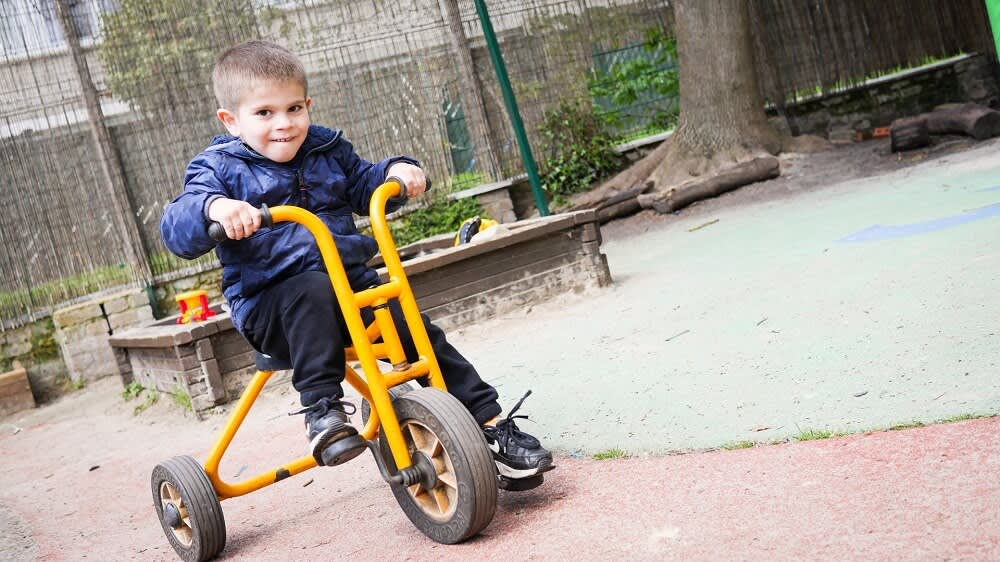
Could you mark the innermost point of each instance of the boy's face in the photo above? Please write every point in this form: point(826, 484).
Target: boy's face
point(272, 117)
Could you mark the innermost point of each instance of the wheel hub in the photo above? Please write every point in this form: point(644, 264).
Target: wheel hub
point(172, 516)
point(424, 466)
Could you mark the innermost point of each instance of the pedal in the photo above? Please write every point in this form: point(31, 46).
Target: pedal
point(520, 484)
point(342, 450)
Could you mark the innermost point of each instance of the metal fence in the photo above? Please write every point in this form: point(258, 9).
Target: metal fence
point(398, 76)
point(385, 72)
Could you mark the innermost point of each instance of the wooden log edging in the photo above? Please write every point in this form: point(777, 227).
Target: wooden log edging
point(666, 201)
point(970, 119)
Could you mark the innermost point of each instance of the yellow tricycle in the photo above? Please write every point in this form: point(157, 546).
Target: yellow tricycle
point(426, 444)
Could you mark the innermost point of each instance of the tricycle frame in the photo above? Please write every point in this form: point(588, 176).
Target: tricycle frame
point(374, 386)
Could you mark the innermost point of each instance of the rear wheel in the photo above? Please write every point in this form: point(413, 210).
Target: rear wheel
point(457, 497)
point(189, 509)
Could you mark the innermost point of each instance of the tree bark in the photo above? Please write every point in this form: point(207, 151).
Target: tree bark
point(470, 90)
point(908, 133)
point(666, 201)
point(977, 121)
point(722, 120)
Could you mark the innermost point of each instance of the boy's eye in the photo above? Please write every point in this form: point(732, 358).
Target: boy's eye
point(295, 108)
point(263, 112)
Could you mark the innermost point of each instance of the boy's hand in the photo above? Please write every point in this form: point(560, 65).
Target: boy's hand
point(413, 177)
point(239, 218)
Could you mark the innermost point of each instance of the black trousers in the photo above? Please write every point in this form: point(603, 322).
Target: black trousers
point(299, 320)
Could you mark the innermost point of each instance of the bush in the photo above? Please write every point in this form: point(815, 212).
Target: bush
point(644, 88)
point(579, 152)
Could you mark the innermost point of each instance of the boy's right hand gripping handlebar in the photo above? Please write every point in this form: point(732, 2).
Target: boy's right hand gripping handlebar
point(218, 233)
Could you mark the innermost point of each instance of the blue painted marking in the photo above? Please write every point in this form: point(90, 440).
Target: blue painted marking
point(994, 188)
point(881, 232)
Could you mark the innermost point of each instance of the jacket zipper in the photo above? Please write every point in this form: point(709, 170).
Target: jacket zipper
point(298, 173)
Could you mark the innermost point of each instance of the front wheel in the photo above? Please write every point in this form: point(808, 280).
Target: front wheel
point(189, 509)
point(458, 495)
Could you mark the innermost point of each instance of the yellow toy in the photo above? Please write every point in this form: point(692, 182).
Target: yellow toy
point(470, 227)
point(427, 446)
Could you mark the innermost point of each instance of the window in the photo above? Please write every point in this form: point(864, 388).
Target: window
point(31, 27)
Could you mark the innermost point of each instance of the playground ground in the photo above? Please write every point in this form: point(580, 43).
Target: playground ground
point(851, 300)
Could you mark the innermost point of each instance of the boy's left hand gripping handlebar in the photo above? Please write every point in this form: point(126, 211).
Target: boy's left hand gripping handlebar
point(218, 233)
point(402, 184)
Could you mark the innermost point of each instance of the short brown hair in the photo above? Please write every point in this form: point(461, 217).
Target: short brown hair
point(238, 68)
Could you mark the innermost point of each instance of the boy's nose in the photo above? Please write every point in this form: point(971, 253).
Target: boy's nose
point(282, 121)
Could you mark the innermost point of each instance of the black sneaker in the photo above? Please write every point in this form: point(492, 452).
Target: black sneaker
point(517, 454)
point(332, 440)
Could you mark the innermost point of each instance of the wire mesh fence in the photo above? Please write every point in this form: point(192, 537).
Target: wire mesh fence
point(384, 72)
point(398, 76)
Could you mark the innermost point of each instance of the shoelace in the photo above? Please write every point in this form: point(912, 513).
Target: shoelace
point(325, 405)
point(506, 428)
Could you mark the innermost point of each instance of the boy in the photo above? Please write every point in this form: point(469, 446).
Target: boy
point(279, 294)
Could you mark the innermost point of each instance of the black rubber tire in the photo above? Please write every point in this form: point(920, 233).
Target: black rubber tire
point(394, 393)
point(458, 509)
point(182, 482)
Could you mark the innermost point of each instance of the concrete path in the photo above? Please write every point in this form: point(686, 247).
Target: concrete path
point(855, 307)
point(76, 487)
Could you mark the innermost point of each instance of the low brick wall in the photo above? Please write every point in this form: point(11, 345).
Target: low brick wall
point(876, 103)
point(82, 331)
point(33, 346)
point(15, 392)
point(207, 360)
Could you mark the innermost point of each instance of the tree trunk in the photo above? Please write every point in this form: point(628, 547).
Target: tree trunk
point(722, 120)
point(470, 91)
point(908, 133)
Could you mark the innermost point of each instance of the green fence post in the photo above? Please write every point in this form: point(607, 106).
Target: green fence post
point(515, 116)
point(993, 9)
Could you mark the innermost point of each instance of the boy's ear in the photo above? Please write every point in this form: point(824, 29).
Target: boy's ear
point(229, 121)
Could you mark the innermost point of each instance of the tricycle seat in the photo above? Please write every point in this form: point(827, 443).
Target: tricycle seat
point(268, 363)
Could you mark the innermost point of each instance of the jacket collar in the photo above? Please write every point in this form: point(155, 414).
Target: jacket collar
point(318, 138)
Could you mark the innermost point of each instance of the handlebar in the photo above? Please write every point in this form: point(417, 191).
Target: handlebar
point(217, 233)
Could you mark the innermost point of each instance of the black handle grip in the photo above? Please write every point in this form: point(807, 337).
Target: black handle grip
point(217, 233)
point(399, 180)
point(402, 185)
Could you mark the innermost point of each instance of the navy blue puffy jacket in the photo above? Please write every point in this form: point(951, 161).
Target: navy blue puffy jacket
point(331, 180)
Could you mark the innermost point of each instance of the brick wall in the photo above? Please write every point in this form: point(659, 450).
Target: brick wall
point(876, 103)
point(82, 331)
point(33, 347)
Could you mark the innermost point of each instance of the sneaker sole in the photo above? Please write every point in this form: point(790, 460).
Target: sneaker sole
point(517, 474)
point(343, 450)
point(325, 440)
